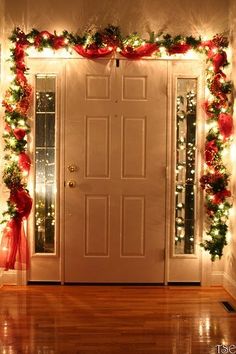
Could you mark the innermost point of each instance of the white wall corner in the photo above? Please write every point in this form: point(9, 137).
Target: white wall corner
point(206, 270)
point(229, 284)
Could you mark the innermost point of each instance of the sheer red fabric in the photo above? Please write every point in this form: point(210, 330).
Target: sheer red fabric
point(14, 249)
point(23, 202)
point(93, 52)
point(225, 124)
point(146, 49)
point(24, 162)
point(179, 48)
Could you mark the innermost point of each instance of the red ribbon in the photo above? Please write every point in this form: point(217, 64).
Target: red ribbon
point(179, 48)
point(219, 60)
point(92, 52)
point(14, 249)
point(144, 50)
point(40, 36)
point(19, 133)
point(211, 150)
point(225, 123)
point(24, 162)
point(220, 196)
point(58, 42)
point(23, 202)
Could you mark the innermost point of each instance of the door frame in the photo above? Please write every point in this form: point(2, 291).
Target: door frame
point(61, 79)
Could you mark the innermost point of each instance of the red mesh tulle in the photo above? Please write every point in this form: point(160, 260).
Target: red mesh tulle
point(14, 248)
point(93, 52)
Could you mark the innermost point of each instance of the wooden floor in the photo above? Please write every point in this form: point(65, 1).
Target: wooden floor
point(114, 320)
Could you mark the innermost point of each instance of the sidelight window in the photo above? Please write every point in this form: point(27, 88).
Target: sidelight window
point(185, 165)
point(45, 174)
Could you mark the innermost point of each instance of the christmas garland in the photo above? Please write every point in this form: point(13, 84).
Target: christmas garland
point(96, 44)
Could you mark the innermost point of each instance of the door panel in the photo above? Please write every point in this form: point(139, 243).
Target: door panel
point(115, 134)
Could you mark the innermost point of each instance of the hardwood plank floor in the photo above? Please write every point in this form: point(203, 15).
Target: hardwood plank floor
point(114, 320)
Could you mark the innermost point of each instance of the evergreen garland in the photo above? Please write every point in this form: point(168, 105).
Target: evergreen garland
point(93, 44)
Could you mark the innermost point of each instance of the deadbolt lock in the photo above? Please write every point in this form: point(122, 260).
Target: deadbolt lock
point(71, 184)
point(72, 168)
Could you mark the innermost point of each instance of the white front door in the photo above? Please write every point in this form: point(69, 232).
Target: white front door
point(115, 161)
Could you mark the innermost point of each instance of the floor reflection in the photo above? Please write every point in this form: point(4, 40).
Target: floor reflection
point(113, 320)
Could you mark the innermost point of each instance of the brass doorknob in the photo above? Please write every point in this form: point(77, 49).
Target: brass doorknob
point(72, 168)
point(71, 184)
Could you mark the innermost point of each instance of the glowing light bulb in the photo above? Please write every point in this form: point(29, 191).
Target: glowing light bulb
point(221, 137)
point(12, 141)
point(14, 157)
point(25, 173)
point(211, 125)
point(180, 205)
point(21, 122)
point(162, 50)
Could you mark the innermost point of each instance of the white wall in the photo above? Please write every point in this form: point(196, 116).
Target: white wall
point(174, 16)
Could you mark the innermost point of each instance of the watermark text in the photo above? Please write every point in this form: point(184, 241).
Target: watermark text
point(226, 349)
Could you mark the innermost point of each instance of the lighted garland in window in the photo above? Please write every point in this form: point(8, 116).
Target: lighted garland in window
point(185, 167)
point(93, 45)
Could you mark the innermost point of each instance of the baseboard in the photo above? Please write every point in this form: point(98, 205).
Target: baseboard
point(13, 277)
point(8, 277)
point(229, 284)
point(217, 278)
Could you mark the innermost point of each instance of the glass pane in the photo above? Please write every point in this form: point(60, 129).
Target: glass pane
point(40, 130)
point(45, 101)
point(185, 165)
point(50, 129)
point(45, 181)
